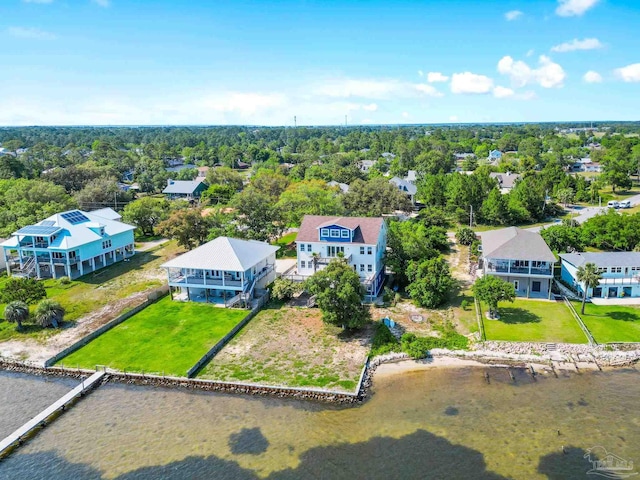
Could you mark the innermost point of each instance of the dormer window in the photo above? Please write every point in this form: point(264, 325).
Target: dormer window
point(324, 232)
point(345, 234)
point(335, 233)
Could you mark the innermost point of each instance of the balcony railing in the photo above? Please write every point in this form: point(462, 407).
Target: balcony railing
point(506, 268)
point(209, 281)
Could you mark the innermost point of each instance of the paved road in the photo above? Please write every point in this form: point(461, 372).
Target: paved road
point(585, 214)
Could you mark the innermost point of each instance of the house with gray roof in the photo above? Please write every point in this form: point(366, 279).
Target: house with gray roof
point(405, 186)
point(620, 273)
point(69, 244)
point(520, 257)
point(185, 189)
point(506, 181)
point(223, 271)
point(344, 188)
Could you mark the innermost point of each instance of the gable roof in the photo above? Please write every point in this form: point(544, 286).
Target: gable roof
point(183, 186)
point(108, 213)
point(404, 186)
point(74, 235)
point(603, 259)
point(343, 186)
point(515, 244)
point(366, 229)
point(506, 180)
point(224, 253)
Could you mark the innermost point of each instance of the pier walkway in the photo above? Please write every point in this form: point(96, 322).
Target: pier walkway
point(40, 420)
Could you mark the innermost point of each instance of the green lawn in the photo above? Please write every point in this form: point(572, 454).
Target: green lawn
point(611, 323)
point(287, 245)
point(534, 321)
point(95, 290)
point(166, 337)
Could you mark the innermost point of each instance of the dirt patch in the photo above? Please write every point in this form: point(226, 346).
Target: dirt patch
point(292, 346)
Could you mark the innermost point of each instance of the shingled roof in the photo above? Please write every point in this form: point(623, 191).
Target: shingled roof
point(514, 243)
point(366, 229)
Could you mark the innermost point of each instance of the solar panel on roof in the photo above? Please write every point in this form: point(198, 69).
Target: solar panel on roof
point(75, 217)
point(47, 223)
point(39, 230)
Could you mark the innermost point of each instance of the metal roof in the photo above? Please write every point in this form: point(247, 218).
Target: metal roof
point(224, 253)
point(514, 243)
point(603, 259)
point(182, 186)
point(404, 185)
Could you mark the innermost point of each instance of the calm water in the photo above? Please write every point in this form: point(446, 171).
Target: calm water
point(427, 424)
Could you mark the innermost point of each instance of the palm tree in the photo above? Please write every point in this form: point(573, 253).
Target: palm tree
point(49, 313)
point(16, 312)
point(589, 276)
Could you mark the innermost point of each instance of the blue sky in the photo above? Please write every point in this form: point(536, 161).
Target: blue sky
point(126, 62)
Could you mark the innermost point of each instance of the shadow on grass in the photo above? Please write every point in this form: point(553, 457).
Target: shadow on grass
point(517, 315)
point(624, 316)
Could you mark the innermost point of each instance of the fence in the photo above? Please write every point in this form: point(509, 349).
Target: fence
point(206, 358)
point(151, 298)
point(583, 327)
point(483, 337)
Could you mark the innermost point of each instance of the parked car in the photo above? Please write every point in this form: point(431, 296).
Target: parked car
point(624, 204)
point(613, 204)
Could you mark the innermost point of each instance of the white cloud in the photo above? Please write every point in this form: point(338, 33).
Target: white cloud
point(30, 33)
point(512, 15)
point(372, 107)
point(434, 77)
point(503, 92)
point(571, 8)
point(421, 73)
point(102, 3)
point(37, 1)
point(592, 77)
point(547, 75)
point(575, 44)
point(468, 82)
point(374, 89)
point(530, 52)
point(630, 73)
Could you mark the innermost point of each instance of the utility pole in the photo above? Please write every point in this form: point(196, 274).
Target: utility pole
point(115, 200)
point(345, 120)
point(471, 217)
point(295, 122)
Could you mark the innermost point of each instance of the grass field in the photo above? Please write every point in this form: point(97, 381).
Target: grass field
point(292, 346)
point(166, 337)
point(95, 290)
point(611, 323)
point(534, 321)
point(287, 245)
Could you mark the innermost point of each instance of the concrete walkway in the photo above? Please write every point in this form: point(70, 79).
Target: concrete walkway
point(616, 301)
point(149, 245)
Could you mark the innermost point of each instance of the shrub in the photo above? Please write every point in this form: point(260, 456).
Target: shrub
point(49, 313)
point(465, 236)
point(464, 304)
point(27, 290)
point(64, 280)
point(284, 289)
point(418, 347)
point(383, 341)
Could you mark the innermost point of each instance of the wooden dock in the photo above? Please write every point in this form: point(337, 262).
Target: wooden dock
point(25, 431)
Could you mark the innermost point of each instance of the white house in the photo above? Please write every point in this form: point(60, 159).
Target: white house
point(68, 244)
point(405, 186)
point(361, 241)
point(520, 257)
point(223, 271)
point(506, 181)
point(620, 272)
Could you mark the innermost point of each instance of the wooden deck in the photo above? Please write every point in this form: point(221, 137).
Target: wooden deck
point(25, 431)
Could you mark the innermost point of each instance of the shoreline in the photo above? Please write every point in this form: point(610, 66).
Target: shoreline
point(409, 365)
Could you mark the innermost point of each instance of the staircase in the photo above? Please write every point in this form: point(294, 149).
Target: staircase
point(28, 268)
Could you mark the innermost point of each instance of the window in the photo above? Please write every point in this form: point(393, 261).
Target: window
point(616, 269)
point(57, 255)
point(369, 268)
point(345, 234)
point(106, 244)
point(369, 250)
point(308, 247)
point(303, 264)
point(602, 270)
point(72, 255)
point(324, 232)
point(362, 267)
point(335, 233)
point(635, 269)
point(361, 250)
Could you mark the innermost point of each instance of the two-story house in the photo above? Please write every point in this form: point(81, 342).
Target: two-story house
point(185, 189)
point(620, 273)
point(362, 242)
point(68, 244)
point(224, 271)
point(521, 257)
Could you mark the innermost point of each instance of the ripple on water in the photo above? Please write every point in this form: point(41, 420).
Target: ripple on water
point(440, 423)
